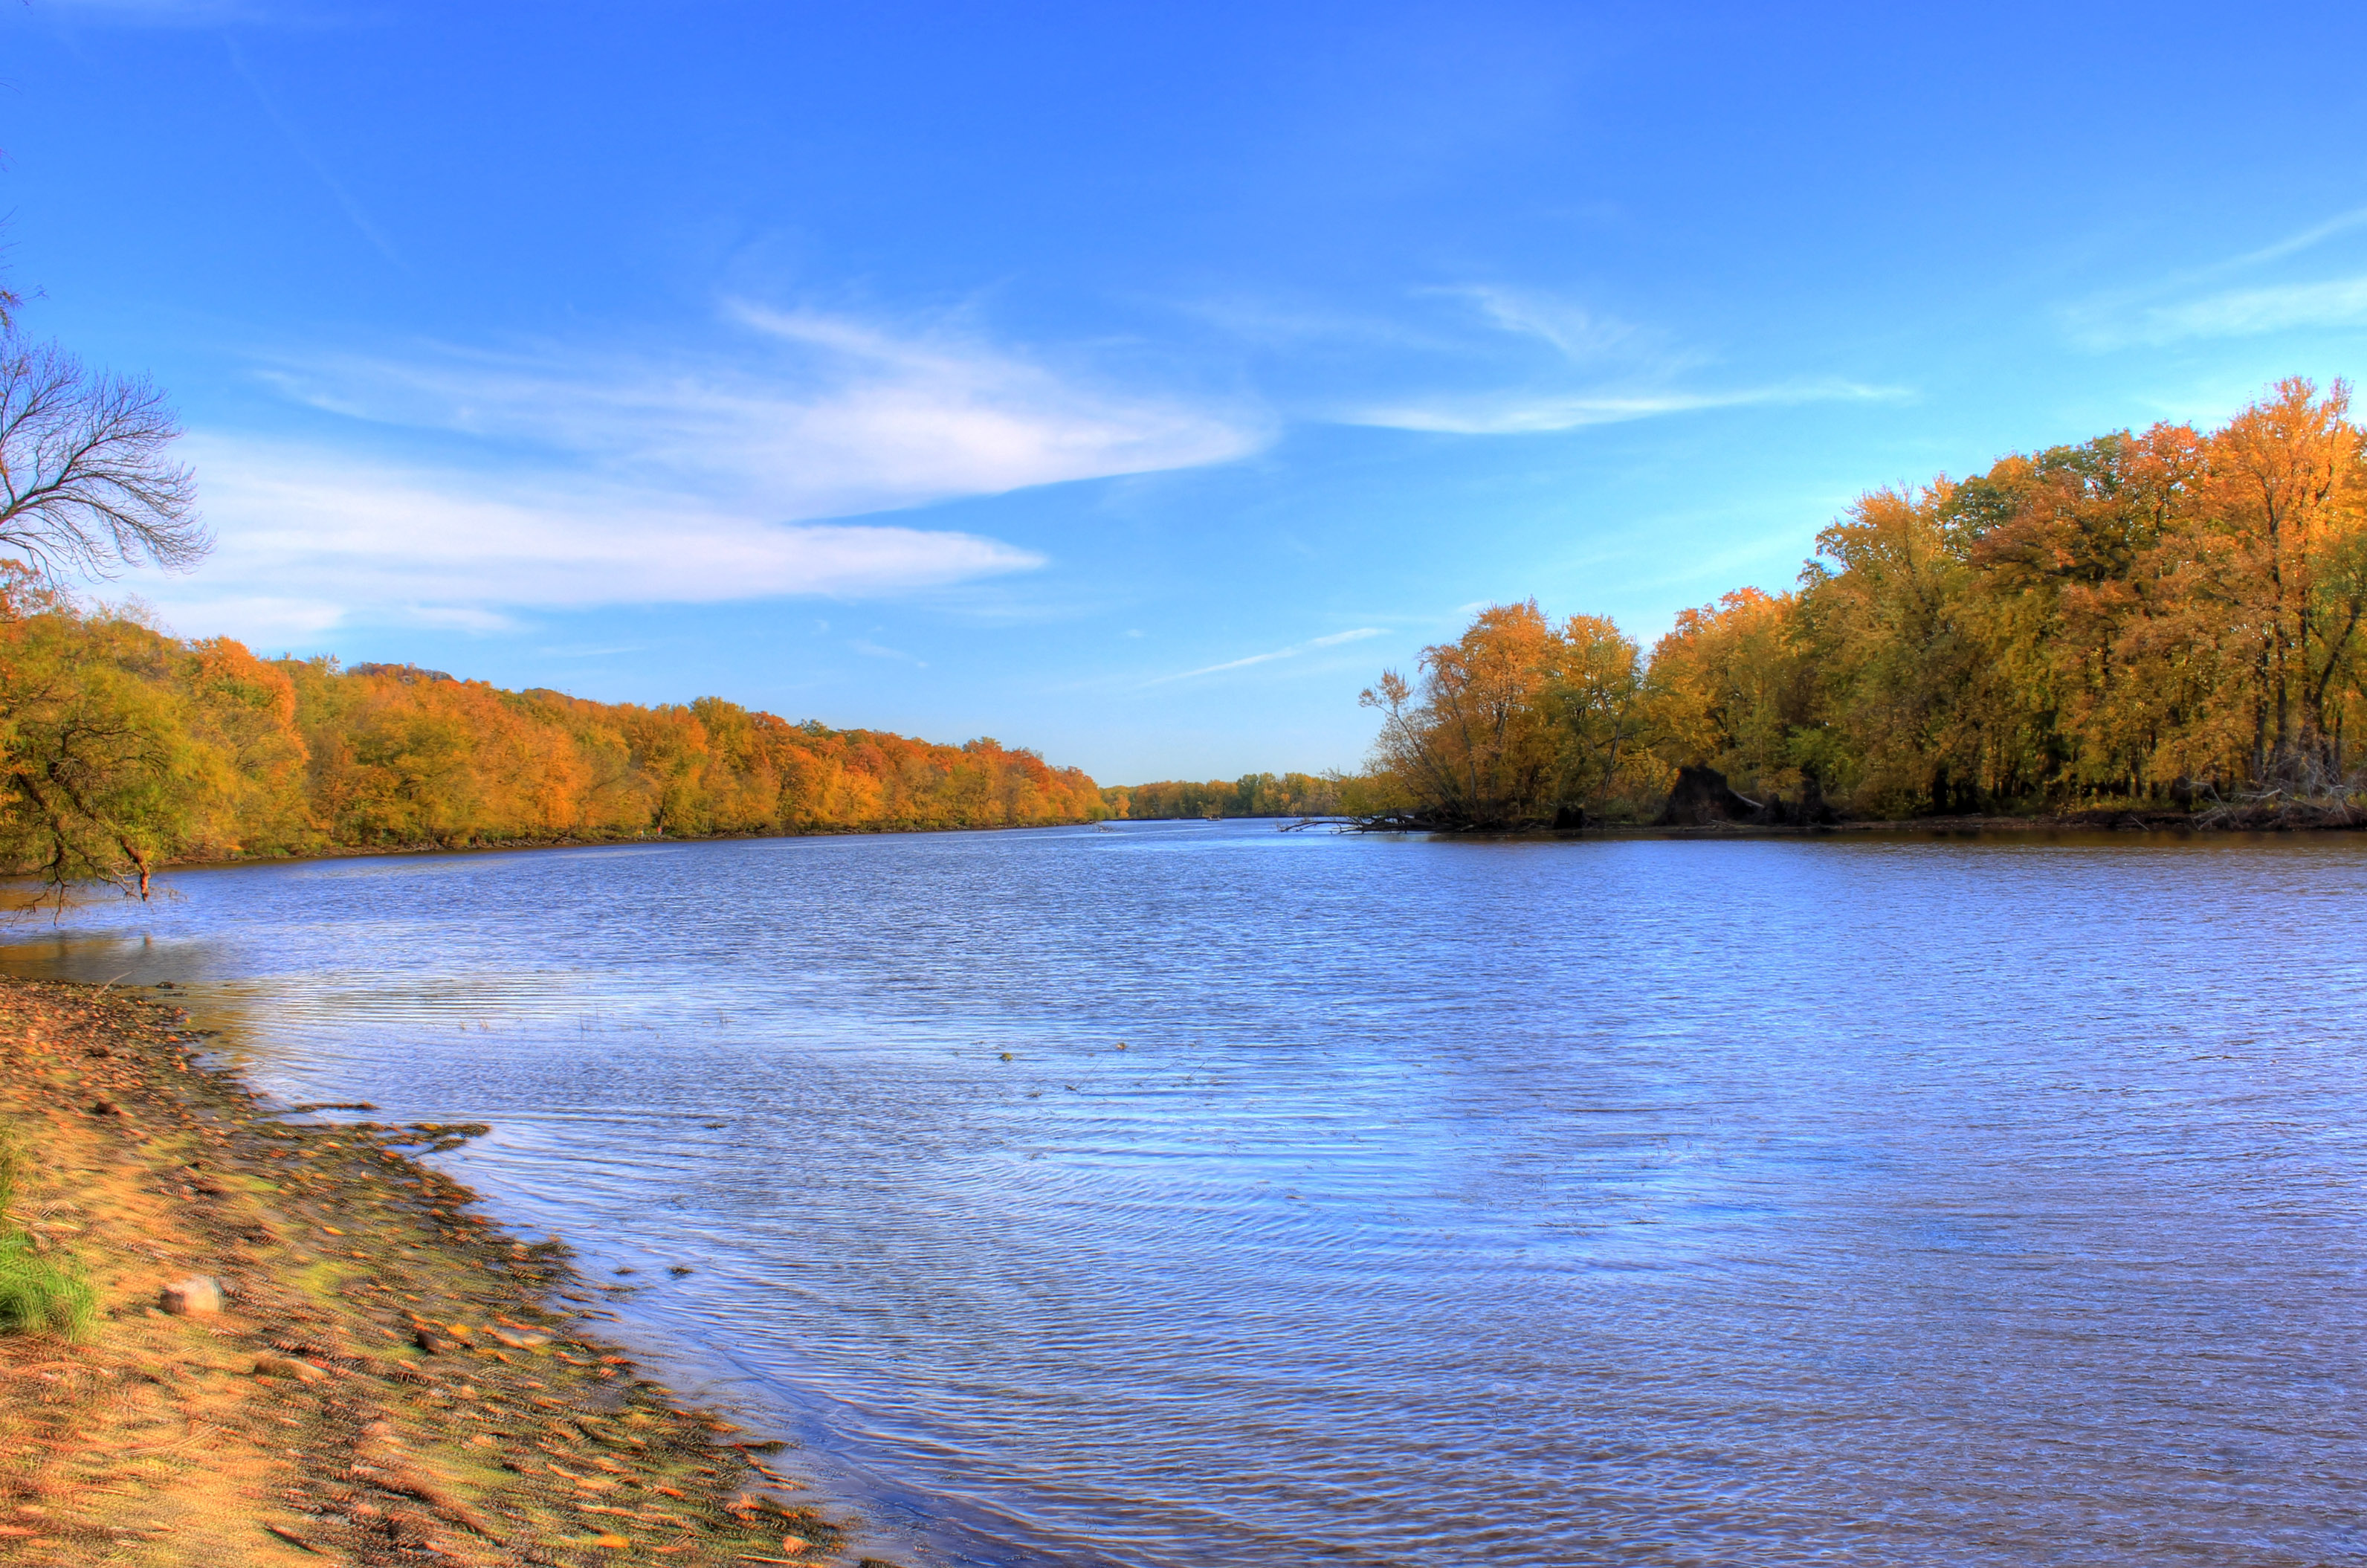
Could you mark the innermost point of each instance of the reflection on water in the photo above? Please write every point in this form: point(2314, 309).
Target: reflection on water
point(1657, 1202)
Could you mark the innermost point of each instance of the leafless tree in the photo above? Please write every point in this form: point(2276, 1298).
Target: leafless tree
point(86, 484)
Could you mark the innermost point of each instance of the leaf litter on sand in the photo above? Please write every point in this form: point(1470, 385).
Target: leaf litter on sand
point(151, 1440)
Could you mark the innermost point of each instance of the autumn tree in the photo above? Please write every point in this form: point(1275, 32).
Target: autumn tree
point(1594, 696)
point(2283, 501)
point(1517, 721)
point(1477, 747)
point(2084, 675)
point(102, 770)
point(126, 749)
point(1728, 687)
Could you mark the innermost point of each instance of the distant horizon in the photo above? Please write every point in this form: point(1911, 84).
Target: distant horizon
point(1131, 388)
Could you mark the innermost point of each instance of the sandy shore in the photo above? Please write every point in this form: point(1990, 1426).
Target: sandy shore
point(386, 1379)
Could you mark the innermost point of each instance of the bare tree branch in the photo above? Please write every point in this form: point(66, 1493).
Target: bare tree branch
point(87, 486)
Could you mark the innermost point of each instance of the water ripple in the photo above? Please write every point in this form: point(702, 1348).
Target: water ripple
point(1789, 1202)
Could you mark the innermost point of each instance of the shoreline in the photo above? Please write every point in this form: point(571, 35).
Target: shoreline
point(2181, 824)
point(384, 1379)
point(2178, 826)
point(2101, 821)
point(620, 841)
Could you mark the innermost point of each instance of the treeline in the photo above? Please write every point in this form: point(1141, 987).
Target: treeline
point(1251, 795)
point(127, 749)
point(2168, 619)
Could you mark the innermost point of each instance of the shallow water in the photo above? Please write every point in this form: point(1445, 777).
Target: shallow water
point(1986, 1201)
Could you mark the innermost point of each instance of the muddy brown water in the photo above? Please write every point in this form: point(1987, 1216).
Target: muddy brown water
point(1995, 1200)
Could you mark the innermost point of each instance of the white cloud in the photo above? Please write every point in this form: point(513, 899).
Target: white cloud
point(308, 542)
point(1530, 414)
point(1335, 639)
point(567, 479)
point(821, 416)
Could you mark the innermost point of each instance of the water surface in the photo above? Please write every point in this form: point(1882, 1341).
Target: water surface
point(1987, 1201)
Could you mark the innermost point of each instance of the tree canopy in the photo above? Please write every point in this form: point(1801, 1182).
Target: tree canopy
point(2155, 618)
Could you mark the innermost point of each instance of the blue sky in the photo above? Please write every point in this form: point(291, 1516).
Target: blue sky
point(1132, 382)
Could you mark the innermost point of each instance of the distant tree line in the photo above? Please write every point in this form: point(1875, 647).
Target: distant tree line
point(127, 749)
point(1251, 795)
point(2169, 619)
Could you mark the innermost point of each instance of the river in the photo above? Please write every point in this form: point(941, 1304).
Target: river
point(1199, 1194)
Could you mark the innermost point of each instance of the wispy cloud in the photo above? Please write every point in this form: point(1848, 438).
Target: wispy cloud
point(871, 650)
point(2235, 312)
point(1335, 639)
point(297, 142)
point(2295, 243)
point(1602, 370)
point(567, 478)
point(1518, 413)
point(820, 416)
point(1580, 334)
point(309, 541)
point(2196, 304)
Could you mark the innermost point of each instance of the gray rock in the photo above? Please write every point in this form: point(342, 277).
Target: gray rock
point(289, 1367)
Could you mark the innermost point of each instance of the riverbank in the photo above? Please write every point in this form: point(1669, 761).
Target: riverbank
point(383, 1378)
point(587, 840)
point(2297, 817)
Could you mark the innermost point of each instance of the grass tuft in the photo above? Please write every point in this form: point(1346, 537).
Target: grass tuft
point(35, 1292)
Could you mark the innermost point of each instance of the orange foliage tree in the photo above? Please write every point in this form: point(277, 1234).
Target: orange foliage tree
point(127, 748)
point(409, 756)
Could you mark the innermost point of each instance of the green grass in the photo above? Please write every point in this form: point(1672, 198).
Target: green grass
point(35, 1292)
point(39, 1293)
